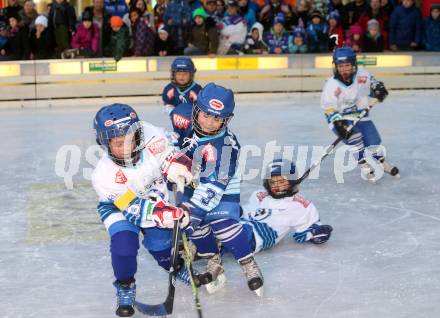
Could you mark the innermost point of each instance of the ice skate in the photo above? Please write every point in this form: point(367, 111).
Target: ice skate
point(389, 168)
point(126, 294)
point(253, 275)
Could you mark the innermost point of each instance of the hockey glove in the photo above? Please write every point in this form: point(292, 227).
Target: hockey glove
point(164, 215)
point(192, 222)
point(177, 169)
point(321, 234)
point(341, 127)
point(378, 90)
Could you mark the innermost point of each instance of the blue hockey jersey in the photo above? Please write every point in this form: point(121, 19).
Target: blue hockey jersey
point(215, 163)
point(173, 96)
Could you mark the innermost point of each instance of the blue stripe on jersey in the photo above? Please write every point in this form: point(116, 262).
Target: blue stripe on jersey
point(122, 226)
point(267, 234)
point(105, 209)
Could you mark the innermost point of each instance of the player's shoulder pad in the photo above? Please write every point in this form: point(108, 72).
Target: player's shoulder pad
point(181, 116)
point(301, 200)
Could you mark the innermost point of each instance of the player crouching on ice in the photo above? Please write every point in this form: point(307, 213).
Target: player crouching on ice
point(130, 180)
point(214, 199)
point(344, 97)
point(277, 210)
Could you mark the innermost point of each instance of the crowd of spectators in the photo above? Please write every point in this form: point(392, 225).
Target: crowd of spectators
point(116, 29)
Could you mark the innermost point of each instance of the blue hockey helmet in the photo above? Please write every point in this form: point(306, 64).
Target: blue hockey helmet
point(117, 120)
point(182, 64)
point(216, 101)
point(344, 55)
point(286, 169)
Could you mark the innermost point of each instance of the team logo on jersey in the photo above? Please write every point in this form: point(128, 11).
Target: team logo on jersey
point(261, 196)
point(261, 214)
point(120, 177)
point(181, 122)
point(208, 153)
point(338, 92)
point(216, 104)
point(301, 200)
point(108, 123)
point(157, 146)
point(362, 79)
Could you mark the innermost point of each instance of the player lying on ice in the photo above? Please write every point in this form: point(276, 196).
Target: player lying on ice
point(214, 198)
point(277, 210)
point(343, 98)
point(130, 180)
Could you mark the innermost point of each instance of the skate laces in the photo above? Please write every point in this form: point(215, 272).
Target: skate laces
point(214, 266)
point(126, 295)
point(183, 276)
point(250, 268)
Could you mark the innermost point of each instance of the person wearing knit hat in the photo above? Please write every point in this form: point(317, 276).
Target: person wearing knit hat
point(87, 36)
point(203, 38)
point(277, 39)
point(41, 20)
point(373, 40)
point(354, 37)
point(163, 44)
point(119, 40)
point(297, 41)
point(335, 31)
point(317, 33)
point(432, 29)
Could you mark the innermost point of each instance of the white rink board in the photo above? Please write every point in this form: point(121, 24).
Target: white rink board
point(382, 260)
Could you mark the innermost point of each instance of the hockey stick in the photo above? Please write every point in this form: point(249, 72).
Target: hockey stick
point(166, 307)
point(331, 147)
point(194, 288)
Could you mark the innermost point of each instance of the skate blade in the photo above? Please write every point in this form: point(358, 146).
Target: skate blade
point(259, 292)
point(216, 285)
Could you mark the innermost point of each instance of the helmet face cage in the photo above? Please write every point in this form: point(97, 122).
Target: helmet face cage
point(182, 65)
point(195, 114)
point(286, 169)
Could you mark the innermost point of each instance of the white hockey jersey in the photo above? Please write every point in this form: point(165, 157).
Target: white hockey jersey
point(348, 101)
point(133, 189)
point(272, 219)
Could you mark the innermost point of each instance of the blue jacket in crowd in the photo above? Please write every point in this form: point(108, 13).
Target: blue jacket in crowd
point(432, 34)
point(405, 26)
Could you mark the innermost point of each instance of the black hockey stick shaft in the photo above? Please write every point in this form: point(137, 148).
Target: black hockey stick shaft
point(165, 308)
point(331, 147)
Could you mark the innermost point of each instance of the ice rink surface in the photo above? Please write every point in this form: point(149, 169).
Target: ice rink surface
point(381, 261)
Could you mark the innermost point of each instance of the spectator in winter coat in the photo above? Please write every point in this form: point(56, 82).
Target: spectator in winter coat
point(274, 8)
point(28, 15)
point(159, 12)
point(3, 40)
point(432, 29)
point(12, 9)
point(203, 38)
point(335, 29)
point(146, 12)
point(353, 37)
point(17, 47)
point(233, 31)
point(41, 40)
point(102, 18)
point(62, 22)
point(212, 12)
point(178, 19)
point(387, 6)
point(373, 40)
point(302, 13)
point(142, 34)
point(317, 33)
point(254, 43)
point(376, 12)
point(86, 37)
point(221, 7)
point(119, 40)
point(353, 11)
point(405, 27)
point(163, 44)
point(277, 39)
point(116, 7)
point(246, 10)
point(296, 41)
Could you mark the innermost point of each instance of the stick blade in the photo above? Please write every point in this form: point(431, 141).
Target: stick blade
point(152, 310)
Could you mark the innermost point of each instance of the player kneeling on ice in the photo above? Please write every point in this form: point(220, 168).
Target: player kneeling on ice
point(343, 99)
point(214, 198)
point(277, 210)
point(130, 180)
point(183, 88)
